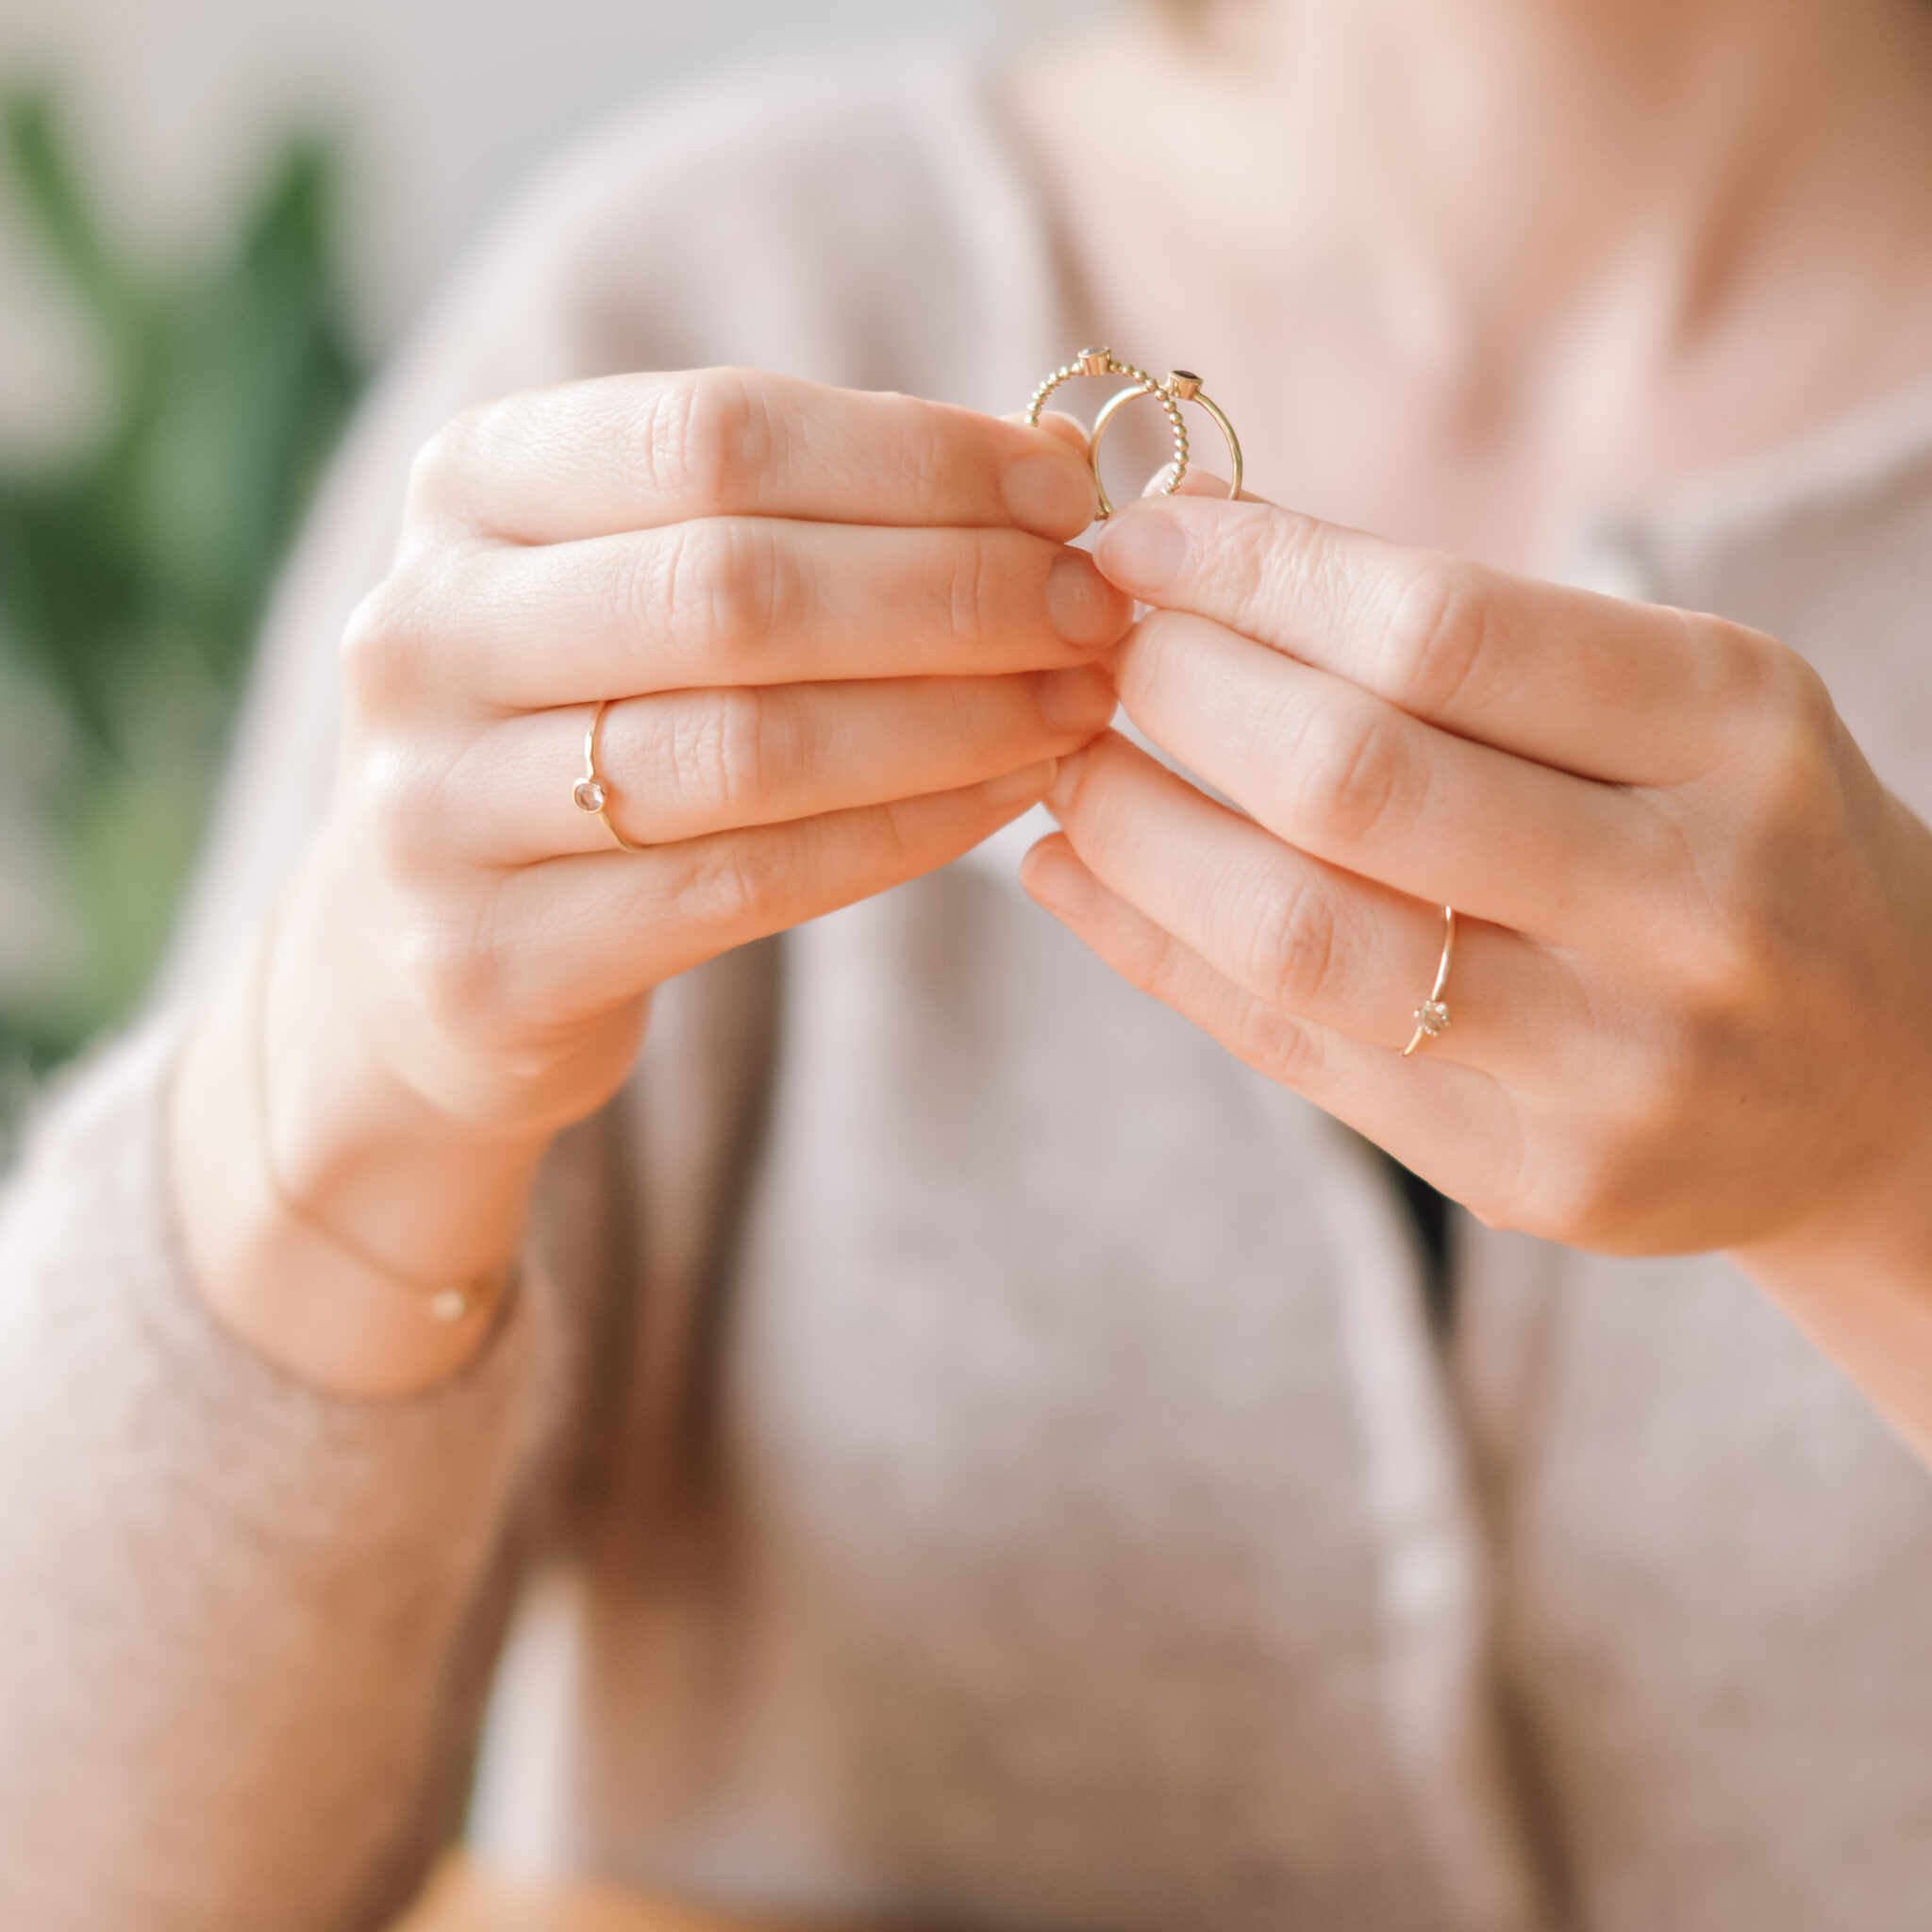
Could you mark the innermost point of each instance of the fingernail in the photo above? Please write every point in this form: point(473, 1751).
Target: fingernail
point(1066, 782)
point(1080, 699)
point(1050, 493)
point(1024, 787)
point(1144, 549)
point(1081, 604)
point(1054, 877)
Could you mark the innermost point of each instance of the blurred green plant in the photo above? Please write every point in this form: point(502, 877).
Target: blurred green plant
point(133, 570)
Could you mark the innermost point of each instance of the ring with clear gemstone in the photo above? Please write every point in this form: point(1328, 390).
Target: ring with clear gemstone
point(1432, 1016)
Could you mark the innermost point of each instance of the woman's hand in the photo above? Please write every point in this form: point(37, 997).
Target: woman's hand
point(844, 641)
point(1693, 984)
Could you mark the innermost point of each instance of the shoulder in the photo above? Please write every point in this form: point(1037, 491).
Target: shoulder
point(865, 221)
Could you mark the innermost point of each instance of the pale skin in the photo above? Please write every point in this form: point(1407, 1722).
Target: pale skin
point(849, 645)
point(1531, 256)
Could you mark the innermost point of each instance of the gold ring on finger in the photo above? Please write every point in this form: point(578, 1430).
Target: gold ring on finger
point(592, 793)
point(1182, 386)
point(1432, 1017)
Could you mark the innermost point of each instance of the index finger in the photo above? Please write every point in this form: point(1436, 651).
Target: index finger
point(1631, 692)
point(637, 452)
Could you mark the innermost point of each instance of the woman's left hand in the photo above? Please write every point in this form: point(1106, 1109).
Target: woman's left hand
point(1692, 991)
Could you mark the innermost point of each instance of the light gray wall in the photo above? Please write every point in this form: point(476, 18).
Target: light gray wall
point(442, 106)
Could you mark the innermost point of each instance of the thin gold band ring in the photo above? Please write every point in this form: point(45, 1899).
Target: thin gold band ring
point(1182, 386)
point(1432, 1016)
point(591, 793)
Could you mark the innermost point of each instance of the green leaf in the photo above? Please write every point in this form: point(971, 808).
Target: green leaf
point(134, 571)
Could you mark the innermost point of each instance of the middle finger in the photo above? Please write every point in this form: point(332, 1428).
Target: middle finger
point(748, 600)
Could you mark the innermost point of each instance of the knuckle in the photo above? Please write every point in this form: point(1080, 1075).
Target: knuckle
point(1787, 808)
point(1564, 1201)
point(1805, 698)
point(713, 586)
point(453, 973)
point(974, 590)
point(1785, 730)
point(1349, 772)
point(909, 834)
point(1730, 981)
point(384, 642)
point(1435, 635)
point(1797, 759)
point(703, 436)
point(720, 755)
point(1591, 1186)
point(729, 886)
point(923, 452)
point(1600, 1184)
point(1277, 1046)
point(1156, 963)
point(439, 474)
point(398, 800)
point(1272, 559)
point(1292, 954)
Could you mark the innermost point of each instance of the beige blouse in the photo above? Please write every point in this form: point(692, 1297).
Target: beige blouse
point(970, 1452)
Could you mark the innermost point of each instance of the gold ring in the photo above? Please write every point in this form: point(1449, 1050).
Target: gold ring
point(590, 794)
point(1105, 363)
point(1182, 386)
point(1432, 1016)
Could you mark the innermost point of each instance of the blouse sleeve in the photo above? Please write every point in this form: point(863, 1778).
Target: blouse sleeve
point(245, 1628)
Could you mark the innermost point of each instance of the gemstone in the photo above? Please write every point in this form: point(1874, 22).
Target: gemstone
point(589, 794)
point(1432, 1016)
point(1184, 385)
point(1093, 361)
point(449, 1304)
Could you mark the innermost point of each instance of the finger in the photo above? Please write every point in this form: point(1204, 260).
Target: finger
point(636, 451)
point(1356, 780)
point(1632, 692)
point(583, 933)
point(1067, 428)
point(1450, 1124)
point(687, 764)
point(747, 601)
point(1310, 939)
point(1199, 482)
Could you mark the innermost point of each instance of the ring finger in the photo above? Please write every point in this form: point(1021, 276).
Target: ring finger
point(684, 764)
point(1308, 939)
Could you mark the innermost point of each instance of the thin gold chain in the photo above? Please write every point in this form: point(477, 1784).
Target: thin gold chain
point(441, 1301)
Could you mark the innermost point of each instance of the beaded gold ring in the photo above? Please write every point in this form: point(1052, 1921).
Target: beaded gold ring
point(1105, 363)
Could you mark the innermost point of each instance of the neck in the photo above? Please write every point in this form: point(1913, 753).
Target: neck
point(1504, 165)
point(1527, 256)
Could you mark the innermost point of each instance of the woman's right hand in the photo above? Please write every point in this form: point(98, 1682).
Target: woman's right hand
point(844, 641)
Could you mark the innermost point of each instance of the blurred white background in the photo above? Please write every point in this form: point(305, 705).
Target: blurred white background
point(438, 106)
